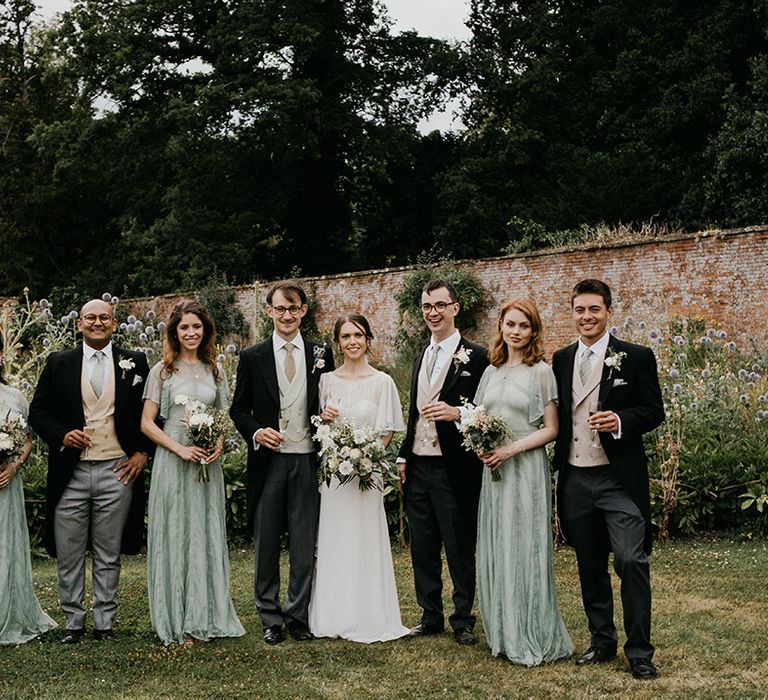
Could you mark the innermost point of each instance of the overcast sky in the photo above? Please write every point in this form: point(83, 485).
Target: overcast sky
point(438, 18)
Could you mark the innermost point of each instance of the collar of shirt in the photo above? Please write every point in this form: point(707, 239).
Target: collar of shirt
point(89, 352)
point(449, 345)
point(279, 344)
point(598, 349)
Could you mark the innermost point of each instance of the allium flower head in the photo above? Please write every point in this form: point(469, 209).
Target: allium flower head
point(731, 346)
point(722, 335)
point(106, 297)
point(677, 388)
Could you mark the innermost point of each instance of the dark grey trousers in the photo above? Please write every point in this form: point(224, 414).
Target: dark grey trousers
point(290, 498)
point(602, 518)
point(435, 519)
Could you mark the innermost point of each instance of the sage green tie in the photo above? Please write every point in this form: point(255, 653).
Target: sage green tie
point(97, 376)
point(432, 360)
point(585, 368)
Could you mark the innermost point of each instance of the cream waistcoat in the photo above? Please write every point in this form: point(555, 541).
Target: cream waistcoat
point(294, 418)
point(100, 415)
point(425, 442)
point(580, 452)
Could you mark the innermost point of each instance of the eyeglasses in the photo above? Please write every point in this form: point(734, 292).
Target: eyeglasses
point(438, 306)
point(280, 310)
point(90, 319)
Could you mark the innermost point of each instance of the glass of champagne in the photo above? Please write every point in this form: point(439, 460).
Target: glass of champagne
point(594, 407)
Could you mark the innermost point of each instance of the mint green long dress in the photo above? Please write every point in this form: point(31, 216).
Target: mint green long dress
point(21, 617)
point(187, 556)
point(515, 575)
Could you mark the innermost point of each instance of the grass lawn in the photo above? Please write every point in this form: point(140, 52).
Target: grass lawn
point(710, 622)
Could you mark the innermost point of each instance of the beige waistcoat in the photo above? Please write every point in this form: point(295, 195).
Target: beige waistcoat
point(294, 418)
point(100, 415)
point(581, 453)
point(425, 442)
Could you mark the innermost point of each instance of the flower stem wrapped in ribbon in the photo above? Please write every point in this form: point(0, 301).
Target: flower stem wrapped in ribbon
point(482, 431)
point(347, 452)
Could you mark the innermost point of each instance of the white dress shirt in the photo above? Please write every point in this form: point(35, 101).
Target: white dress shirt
point(89, 357)
point(446, 349)
point(599, 349)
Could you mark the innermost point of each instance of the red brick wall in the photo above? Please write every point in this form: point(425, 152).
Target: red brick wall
point(719, 276)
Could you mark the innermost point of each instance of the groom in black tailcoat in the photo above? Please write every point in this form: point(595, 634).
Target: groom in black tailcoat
point(440, 479)
point(276, 395)
point(603, 491)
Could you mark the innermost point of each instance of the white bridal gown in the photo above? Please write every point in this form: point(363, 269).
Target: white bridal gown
point(354, 595)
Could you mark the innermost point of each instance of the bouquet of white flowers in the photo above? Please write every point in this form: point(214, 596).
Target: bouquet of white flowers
point(205, 425)
point(482, 432)
point(347, 452)
point(13, 435)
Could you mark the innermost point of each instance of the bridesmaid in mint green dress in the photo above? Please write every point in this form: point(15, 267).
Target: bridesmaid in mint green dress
point(515, 576)
point(187, 556)
point(21, 617)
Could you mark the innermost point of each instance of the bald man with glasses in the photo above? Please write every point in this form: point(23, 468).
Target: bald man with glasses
point(87, 408)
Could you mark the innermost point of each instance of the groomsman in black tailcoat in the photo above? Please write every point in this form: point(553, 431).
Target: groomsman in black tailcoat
point(276, 395)
point(603, 491)
point(440, 479)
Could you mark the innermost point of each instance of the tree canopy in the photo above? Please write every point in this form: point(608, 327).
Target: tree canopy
point(152, 145)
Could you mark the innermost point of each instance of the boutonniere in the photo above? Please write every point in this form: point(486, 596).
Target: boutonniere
point(461, 357)
point(319, 353)
point(137, 379)
point(613, 360)
point(126, 364)
point(619, 382)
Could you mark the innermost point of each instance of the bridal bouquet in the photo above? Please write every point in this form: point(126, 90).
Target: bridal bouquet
point(347, 452)
point(13, 435)
point(205, 425)
point(482, 432)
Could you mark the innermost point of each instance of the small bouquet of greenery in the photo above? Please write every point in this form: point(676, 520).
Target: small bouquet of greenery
point(13, 435)
point(205, 426)
point(482, 431)
point(347, 452)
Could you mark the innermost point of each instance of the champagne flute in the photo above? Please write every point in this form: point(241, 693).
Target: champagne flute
point(594, 407)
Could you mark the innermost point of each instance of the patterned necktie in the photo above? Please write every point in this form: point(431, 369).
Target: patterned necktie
point(97, 376)
point(432, 360)
point(585, 368)
point(290, 364)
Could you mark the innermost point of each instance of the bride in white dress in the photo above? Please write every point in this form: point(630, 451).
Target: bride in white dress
point(353, 593)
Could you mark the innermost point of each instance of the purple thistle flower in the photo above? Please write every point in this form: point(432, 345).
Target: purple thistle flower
point(677, 388)
point(149, 330)
point(123, 326)
point(682, 357)
point(138, 324)
point(755, 367)
point(220, 357)
point(44, 303)
point(742, 374)
point(674, 373)
point(641, 325)
point(705, 340)
point(744, 398)
point(231, 349)
point(705, 374)
point(731, 346)
point(130, 328)
point(679, 340)
point(722, 335)
point(150, 315)
point(161, 326)
point(73, 314)
point(694, 406)
point(106, 297)
point(46, 342)
point(114, 301)
point(613, 330)
point(711, 332)
point(143, 337)
point(64, 320)
point(131, 319)
point(761, 398)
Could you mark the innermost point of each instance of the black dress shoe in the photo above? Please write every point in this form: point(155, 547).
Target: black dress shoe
point(596, 655)
point(464, 635)
point(422, 629)
point(643, 669)
point(274, 634)
point(103, 635)
point(73, 636)
point(300, 632)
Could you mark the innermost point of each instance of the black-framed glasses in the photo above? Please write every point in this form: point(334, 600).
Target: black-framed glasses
point(438, 306)
point(90, 319)
point(293, 310)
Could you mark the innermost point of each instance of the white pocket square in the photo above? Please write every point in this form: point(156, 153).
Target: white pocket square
point(465, 374)
point(619, 382)
point(137, 380)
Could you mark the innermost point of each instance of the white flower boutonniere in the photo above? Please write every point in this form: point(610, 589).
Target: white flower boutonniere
point(126, 364)
point(319, 353)
point(461, 357)
point(613, 360)
point(137, 379)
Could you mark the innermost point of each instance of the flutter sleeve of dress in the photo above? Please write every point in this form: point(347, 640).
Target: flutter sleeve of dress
point(158, 391)
point(389, 415)
point(543, 390)
point(480, 393)
point(222, 390)
point(18, 403)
